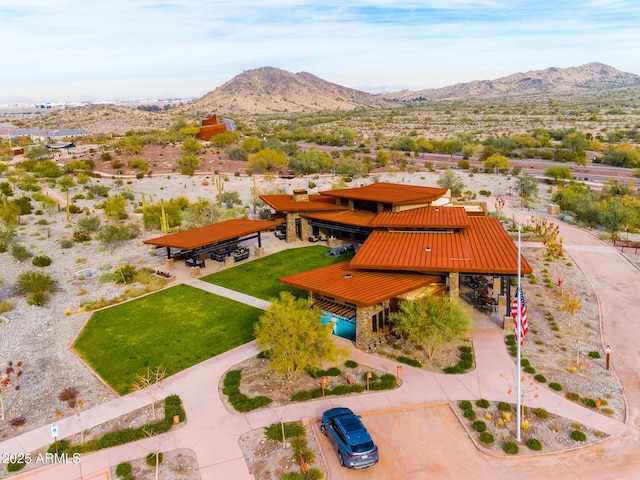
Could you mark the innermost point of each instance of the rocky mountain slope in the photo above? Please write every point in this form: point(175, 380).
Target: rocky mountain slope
point(588, 78)
point(270, 90)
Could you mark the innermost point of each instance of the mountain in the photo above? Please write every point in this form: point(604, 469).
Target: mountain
point(585, 79)
point(269, 90)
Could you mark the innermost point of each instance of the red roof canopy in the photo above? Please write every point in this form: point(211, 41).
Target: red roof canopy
point(211, 234)
point(392, 193)
point(360, 287)
point(424, 217)
point(484, 247)
point(286, 203)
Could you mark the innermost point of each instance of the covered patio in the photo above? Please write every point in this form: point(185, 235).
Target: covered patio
point(220, 242)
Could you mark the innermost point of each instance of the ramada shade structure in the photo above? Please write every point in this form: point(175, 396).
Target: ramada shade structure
point(213, 234)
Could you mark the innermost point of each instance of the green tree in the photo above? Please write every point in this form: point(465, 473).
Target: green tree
point(527, 187)
point(115, 207)
point(432, 321)
point(251, 144)
point(38, 152)
point(191, 145)
point(202, 212)
point(496, 162)
point(231, 199)
point(557, 173)
point(450, 180)
point(613, 214)
point(267, 159)
point(10, 214)
point(292, 332)
point(188, 164)
point(112, 236)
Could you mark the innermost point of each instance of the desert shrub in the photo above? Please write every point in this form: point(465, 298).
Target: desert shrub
point(75, 208)
point(125, 274)
point(589, 402)
point(18, 421)
point(15, 466)
point(534, 444)
point(90, 223)
point(479, 426)
point(351, 364)
point(313, 474)
point(540, 378)
point(152, 458)
point(239, 401)
point(510, 447)
point(578, 436)
point(483, 403)
point(486, 193)
point(469, 414)
point(529, 369)
point(555, 386)
point(65, 243)
point(81, 236)
point(486, 437)
point(41, 261)
point(19, 252)
point(332, 372)
point(291, 429)
point(123, 469)
point(541, 413)
point(504, 406)
point(409, 361)
point(6, 306)
point(386, 382)
point(574, 397)
point(465, 405)
point(594, 354)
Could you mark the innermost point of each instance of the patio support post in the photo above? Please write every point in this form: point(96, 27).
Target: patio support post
point(454, 284)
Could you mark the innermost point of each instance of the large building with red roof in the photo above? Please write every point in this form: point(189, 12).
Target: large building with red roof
point(411, 241)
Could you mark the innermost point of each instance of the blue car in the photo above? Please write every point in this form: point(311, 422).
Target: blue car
point(350, 438)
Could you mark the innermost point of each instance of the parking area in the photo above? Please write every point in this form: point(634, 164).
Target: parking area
point(414, 444)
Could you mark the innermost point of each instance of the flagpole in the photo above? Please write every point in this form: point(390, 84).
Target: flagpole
point(518, 339)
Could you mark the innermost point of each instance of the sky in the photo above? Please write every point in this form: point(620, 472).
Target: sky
point(96, 50)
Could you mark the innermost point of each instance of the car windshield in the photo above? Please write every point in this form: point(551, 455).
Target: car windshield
point(362, 447)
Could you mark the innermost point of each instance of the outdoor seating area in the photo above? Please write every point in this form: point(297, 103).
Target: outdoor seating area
point(240, 253)
point(218, 255)
point(280, 234)
point(194, 262)
point(481, 294)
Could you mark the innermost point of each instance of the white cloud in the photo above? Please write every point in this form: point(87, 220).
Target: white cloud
point(64, 47)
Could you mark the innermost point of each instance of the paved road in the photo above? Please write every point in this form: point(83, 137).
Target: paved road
point(212, 432)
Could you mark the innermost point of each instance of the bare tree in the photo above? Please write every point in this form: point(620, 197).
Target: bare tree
point(70, 396)
point(150, 381)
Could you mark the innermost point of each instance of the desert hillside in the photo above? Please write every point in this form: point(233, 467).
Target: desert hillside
point(589, 78)
point(270, 90)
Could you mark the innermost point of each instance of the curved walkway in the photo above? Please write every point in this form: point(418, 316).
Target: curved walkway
point(212, 432)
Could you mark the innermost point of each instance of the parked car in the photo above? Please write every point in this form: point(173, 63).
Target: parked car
point(349, 437)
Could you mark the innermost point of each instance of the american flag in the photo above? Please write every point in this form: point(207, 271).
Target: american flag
point(522, 329)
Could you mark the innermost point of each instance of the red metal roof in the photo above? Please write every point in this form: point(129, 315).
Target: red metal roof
point(392, 193)
point(210, 234)
point(358, 218)
point(424, 217)
point(362, 288)
point(286, 203)
point(484, 247)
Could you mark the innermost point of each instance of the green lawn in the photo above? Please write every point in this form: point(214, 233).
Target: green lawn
point(259, 278)
point(177, 327)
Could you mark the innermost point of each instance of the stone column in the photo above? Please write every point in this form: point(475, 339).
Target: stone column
point(259, 252)
point(454, 284)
